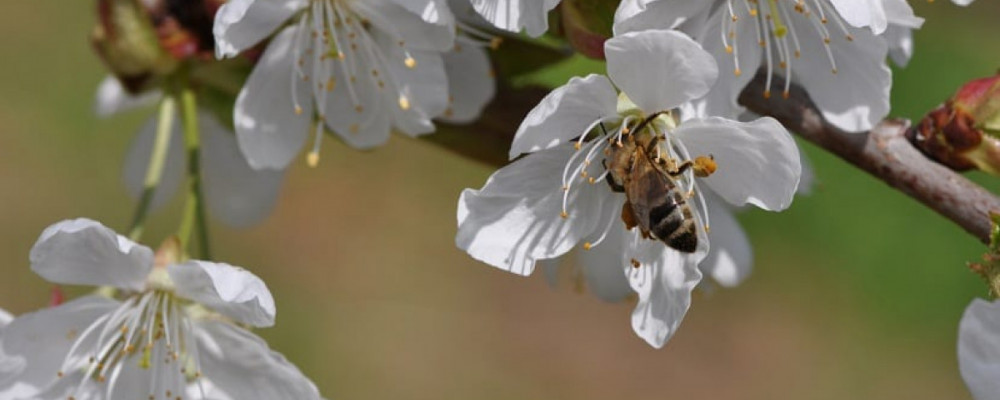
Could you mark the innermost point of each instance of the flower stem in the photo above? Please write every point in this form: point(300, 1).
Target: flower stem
point(194, 204)
point(154, 171)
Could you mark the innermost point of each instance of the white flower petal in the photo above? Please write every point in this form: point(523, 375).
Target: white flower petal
point(5, 318)
point(758, 162)
point(356, 109)
point(269, 130)
point(664, 281)
point(471, 82)
point(234, 192)
point(40, 341)
point(899, 13)
point(422, 90)
point(659, 69)
point(515, 220)
point(566, 113)
point(137, 162)
point(515, 15)
point(242, 366)
point(900, 40)
point(856, 97)
point(730, 259)
point(863, 13)
point(112, 98)
point(736, 69)
point(84, 252)
point(419, 24)
point(602, 264)
point(240, 24)
point(979, 349)
point(639, 15)
point(231, 291)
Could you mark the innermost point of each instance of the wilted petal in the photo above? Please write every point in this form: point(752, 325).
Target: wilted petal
point(137, 163)
point(979, 348)
point(471, 82)
point(234, 192)
point(84, 252)
point(515, 220)
point(566, 113)
point(40, 341)
point(242, 366)
point(240, 24)
point(231, 291)
point(269, 130)
point(515, 15)
point(758, 162)
point(659, 69)
point(664, 280)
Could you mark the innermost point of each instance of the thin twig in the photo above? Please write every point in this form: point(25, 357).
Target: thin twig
point(884, 153)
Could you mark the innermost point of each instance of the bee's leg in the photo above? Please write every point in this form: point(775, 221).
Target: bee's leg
point(681, 168)
point(703, 166)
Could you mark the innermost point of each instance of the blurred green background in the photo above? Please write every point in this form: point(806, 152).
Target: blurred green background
point(857, 290)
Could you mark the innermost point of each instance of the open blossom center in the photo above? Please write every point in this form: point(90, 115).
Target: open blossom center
point(597, 159)
point(335, 47)
point(779, 27)
point(148, 331)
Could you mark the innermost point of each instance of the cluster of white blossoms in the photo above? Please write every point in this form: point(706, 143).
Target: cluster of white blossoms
point(640, 169)
point(174, 331)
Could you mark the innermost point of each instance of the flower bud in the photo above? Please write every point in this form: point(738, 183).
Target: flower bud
point(964, 133)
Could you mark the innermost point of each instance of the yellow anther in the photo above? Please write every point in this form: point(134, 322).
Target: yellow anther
point(410, 62)
point(312, 159)
point(587, 246)
point(564, 214)
point(404, 103)
point(298, 110)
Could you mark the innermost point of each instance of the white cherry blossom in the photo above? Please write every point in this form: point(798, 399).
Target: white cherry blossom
point(531, 16)
point(358, 68)
point(176, 331)
point(234, 192)
point(979, 349)
point(819, 44)
point(554, 198)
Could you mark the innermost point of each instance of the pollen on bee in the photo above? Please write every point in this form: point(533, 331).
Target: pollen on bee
point(704, 166)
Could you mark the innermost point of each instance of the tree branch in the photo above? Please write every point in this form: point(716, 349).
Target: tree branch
point(884, 153)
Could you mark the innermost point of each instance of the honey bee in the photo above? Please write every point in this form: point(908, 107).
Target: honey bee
point(655, 202)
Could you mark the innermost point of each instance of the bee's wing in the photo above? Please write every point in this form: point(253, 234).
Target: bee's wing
point(649, 188)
